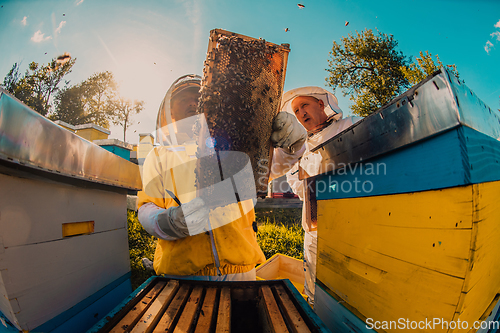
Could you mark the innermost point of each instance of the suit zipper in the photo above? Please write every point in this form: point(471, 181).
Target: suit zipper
point(214, 249)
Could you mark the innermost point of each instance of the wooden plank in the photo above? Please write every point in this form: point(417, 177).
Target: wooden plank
point(186, 321)
point(153, 314)
point(484, 156)
point(127, 323)
point(205, 320)
point(224, 314)
point(431, 229)
point(397, 256)
point(274, 318)
point(107, 209)
point(173, 311)
point(64, 273)
point(292, 315)
point(335, 316)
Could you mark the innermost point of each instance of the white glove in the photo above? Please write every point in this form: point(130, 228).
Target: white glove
point(288, 133)
point(188, 219)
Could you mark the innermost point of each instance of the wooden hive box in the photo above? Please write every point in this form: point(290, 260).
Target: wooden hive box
point(64, 256)
point(408, 223)
point(166, 305)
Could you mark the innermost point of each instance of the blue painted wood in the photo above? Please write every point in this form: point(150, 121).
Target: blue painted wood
point(86, 318)
point(335, 316)
point(122, 152)
point(433, 163)
point(461, 156)
point(483, 154)
point(6, 326)
point(91, 309)
point(316, 321)
point(100, 324)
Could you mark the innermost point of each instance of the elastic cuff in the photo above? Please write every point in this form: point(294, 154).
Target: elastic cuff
point(161, 234)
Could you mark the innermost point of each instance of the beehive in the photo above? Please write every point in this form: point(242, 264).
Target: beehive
point(407, 215)
point(242, 84)
point(165, 305)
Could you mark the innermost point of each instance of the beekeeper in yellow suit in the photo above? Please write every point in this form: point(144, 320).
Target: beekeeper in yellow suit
point(195, 240)
point(317, 110)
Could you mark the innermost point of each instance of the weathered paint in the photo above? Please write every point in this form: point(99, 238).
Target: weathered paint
point(461, 156)
point(430, 254)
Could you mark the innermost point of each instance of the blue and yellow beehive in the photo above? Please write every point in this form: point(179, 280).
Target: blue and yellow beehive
point(408, 220)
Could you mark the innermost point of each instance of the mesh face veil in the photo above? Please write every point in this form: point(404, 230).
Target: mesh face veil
point(165, 129)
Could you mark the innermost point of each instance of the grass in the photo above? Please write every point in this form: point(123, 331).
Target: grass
point(279, 231)
point(141, 245)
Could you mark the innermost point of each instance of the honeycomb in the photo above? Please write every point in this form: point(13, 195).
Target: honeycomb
point(241, 90)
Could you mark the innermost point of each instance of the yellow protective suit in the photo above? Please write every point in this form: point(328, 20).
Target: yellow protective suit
point(232, 247)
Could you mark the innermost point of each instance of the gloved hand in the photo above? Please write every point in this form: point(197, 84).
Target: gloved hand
point(288, 133)
point(185, 220)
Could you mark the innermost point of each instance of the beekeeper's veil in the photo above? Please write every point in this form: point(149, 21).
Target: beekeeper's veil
point(331, 103)
point(166, 130)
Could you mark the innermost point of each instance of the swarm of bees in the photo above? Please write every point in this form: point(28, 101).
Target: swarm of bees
point(241, 90)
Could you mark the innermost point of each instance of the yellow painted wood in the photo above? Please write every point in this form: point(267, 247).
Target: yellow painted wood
point(483, 276)
point(92, 134)
point(397, 256)
point(77, 228)
point(431, 254)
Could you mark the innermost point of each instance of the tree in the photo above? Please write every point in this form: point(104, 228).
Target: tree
point(369, 69)
point(125, 109)
point(39, 83)
point(425, 66)
point(11, 80)
point(69, 106)
point(99, 98)
point(96, 100)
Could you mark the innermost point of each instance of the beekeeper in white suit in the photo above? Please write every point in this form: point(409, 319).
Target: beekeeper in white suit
point(319, 119)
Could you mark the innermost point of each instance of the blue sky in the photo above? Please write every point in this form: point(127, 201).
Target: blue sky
point(148, 44)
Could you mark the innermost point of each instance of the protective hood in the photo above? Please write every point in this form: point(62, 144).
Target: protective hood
point(331, 103)
point(166, 130)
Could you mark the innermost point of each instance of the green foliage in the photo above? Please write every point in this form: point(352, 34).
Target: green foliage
point(96, 100)
point(279, 238)
point(280, 231)
point(98, 94)
point(287, 216)
point(425, 66)
point(141, 245)
point(368, 68)
point(39, 83)
point(69, 106)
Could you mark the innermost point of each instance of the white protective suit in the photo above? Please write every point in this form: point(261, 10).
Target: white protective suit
point(287, 163)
